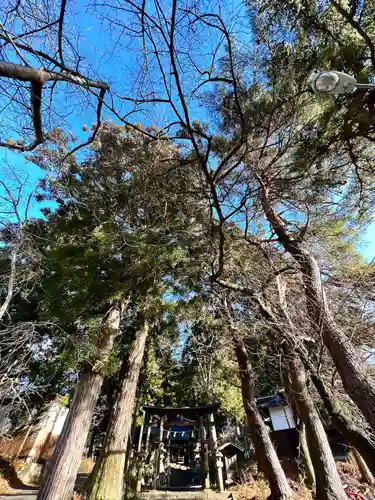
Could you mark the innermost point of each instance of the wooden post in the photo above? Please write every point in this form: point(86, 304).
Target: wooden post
point(204, 456)
point(23, 442)
point(139, 455)
point(216, 459)
point(139, 446)
point(362, 466)
point(157, 465)
point(148, 434)
point(168, 459)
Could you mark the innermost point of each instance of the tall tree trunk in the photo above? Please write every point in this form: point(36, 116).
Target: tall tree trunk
point(340, 418)
point(63, 468)
point(328, 482)
point(133, 428)
point(265, 452)
point(359, 386)
point(131, 461)
point(108, 475)
point(356, 437)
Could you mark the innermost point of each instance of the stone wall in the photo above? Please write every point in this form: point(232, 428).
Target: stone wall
point(37, 442)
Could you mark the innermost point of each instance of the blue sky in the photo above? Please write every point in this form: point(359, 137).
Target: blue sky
point(114, 58)
point(366, 247)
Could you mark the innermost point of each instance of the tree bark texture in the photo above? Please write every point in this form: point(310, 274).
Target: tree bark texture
point(129, 456)
point(265, 452)
point(108, 475)
point(328, 482)
point(359, 386)
point(131, 460)
point(62, 471)
point(343, 423)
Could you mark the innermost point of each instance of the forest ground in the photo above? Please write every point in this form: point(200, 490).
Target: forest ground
point(250, 489)
point(24, 492)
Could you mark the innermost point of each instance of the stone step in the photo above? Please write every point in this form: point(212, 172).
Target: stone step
point(184, 495)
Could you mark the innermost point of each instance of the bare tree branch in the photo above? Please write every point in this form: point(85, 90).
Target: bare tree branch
point(11, 280)
point(61, 25)
point(37, 78)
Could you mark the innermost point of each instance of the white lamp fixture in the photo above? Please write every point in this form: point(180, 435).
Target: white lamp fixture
point(335, 82)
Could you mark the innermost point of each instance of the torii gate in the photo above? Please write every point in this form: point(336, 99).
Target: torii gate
point(204, 416)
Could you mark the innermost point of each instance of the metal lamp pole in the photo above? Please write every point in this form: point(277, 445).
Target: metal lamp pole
point(335, 82)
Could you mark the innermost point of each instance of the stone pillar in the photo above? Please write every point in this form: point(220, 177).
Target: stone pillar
point(205, 467)
point(219, 468)
point(158, 452)
point(215, 455)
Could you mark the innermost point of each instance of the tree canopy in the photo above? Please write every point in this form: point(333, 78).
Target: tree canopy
point(201, 243)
